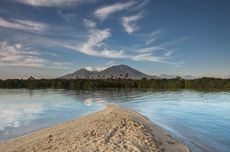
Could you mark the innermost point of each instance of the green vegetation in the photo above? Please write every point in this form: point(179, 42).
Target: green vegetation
point(177, 83)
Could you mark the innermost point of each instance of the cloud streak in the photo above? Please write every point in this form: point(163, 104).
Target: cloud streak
point(128, 23)
point(89, 23)
point(66, 16)
point(153, 37)
point(13, 55)
point(90, 68)
point(51, 3)
point(100, 68)
point(148, 57)
point(95, 42)
point(19, 55)
point(24, 25)
point(103, 12)
point(94, 46)
point(151, 49)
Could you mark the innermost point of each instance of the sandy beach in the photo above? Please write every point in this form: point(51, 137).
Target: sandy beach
point(112, 129)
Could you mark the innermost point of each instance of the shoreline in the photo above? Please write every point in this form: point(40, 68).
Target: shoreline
point(111, 129)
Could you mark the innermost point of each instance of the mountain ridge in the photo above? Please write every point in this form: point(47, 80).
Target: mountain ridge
point(117, 72)
point(114, 72)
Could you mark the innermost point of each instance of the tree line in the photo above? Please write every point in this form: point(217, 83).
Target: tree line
point(177, 83)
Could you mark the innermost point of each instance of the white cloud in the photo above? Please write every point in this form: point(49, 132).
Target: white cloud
point(148, 57)
point(94, 47)
point(103, 12)
point(51, 3)
point(168, 53)
point(142, 4)
point(153, 37)
point(66, 16)
point(89, 23)
point(19, 55)
point(150, 49)
point(128, 23)
point(13, 55)
point(175, 41)
point(110, 63)
point(95, 42)
point(147, 51)
point(179, 64)
point(58, 65)
point(24, 25)
point(90, 68)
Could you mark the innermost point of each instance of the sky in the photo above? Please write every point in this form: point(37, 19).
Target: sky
point(47, 39)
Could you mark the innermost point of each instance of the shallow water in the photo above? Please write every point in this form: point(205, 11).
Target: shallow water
point(201, 120)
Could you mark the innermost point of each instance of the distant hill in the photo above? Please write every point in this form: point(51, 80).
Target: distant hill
point(80, 74)
point(114, 72)
point(165, 76)
point(189, 77)
point(227, 77)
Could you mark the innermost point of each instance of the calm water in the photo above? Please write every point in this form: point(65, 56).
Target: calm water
point(198, 119)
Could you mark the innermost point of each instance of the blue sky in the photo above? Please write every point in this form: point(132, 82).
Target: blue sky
point(47, 39)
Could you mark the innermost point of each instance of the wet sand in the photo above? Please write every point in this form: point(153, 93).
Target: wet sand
point(112, 129)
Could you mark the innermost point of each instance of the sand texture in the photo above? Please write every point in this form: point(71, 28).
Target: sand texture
point(112, 129)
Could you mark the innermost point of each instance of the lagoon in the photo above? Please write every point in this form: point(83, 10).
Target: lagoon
point(200, 120)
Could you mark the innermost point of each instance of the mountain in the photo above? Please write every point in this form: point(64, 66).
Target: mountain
point(114, 72)
point(227, 77)
point(165, 76)
point(80, 74)
point(186, 77)
point(189, 77)
point(121, 71)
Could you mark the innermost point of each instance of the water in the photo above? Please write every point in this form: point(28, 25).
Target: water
point(200, 120)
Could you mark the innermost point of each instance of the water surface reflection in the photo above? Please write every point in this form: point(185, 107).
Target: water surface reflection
point(199, 119)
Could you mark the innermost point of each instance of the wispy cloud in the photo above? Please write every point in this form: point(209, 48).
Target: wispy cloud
point(89, 23)
point(151, 49)
point(14, 55)
point(175, 41)
point(142, 4)
point(58, 65)
point(100, 68)
point(129, 24)
point(94, 45)
point(155, 35)
point(24, 25)
point(168, 53)
point(148, 57)
point(110, 63)
point(178, 64)
point(103, 12)
point(20, 55)
point(66, 16)
point(90, 68)
point(52, 3)
point(166, 48)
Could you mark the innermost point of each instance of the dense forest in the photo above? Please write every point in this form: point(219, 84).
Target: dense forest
point(177, 83)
